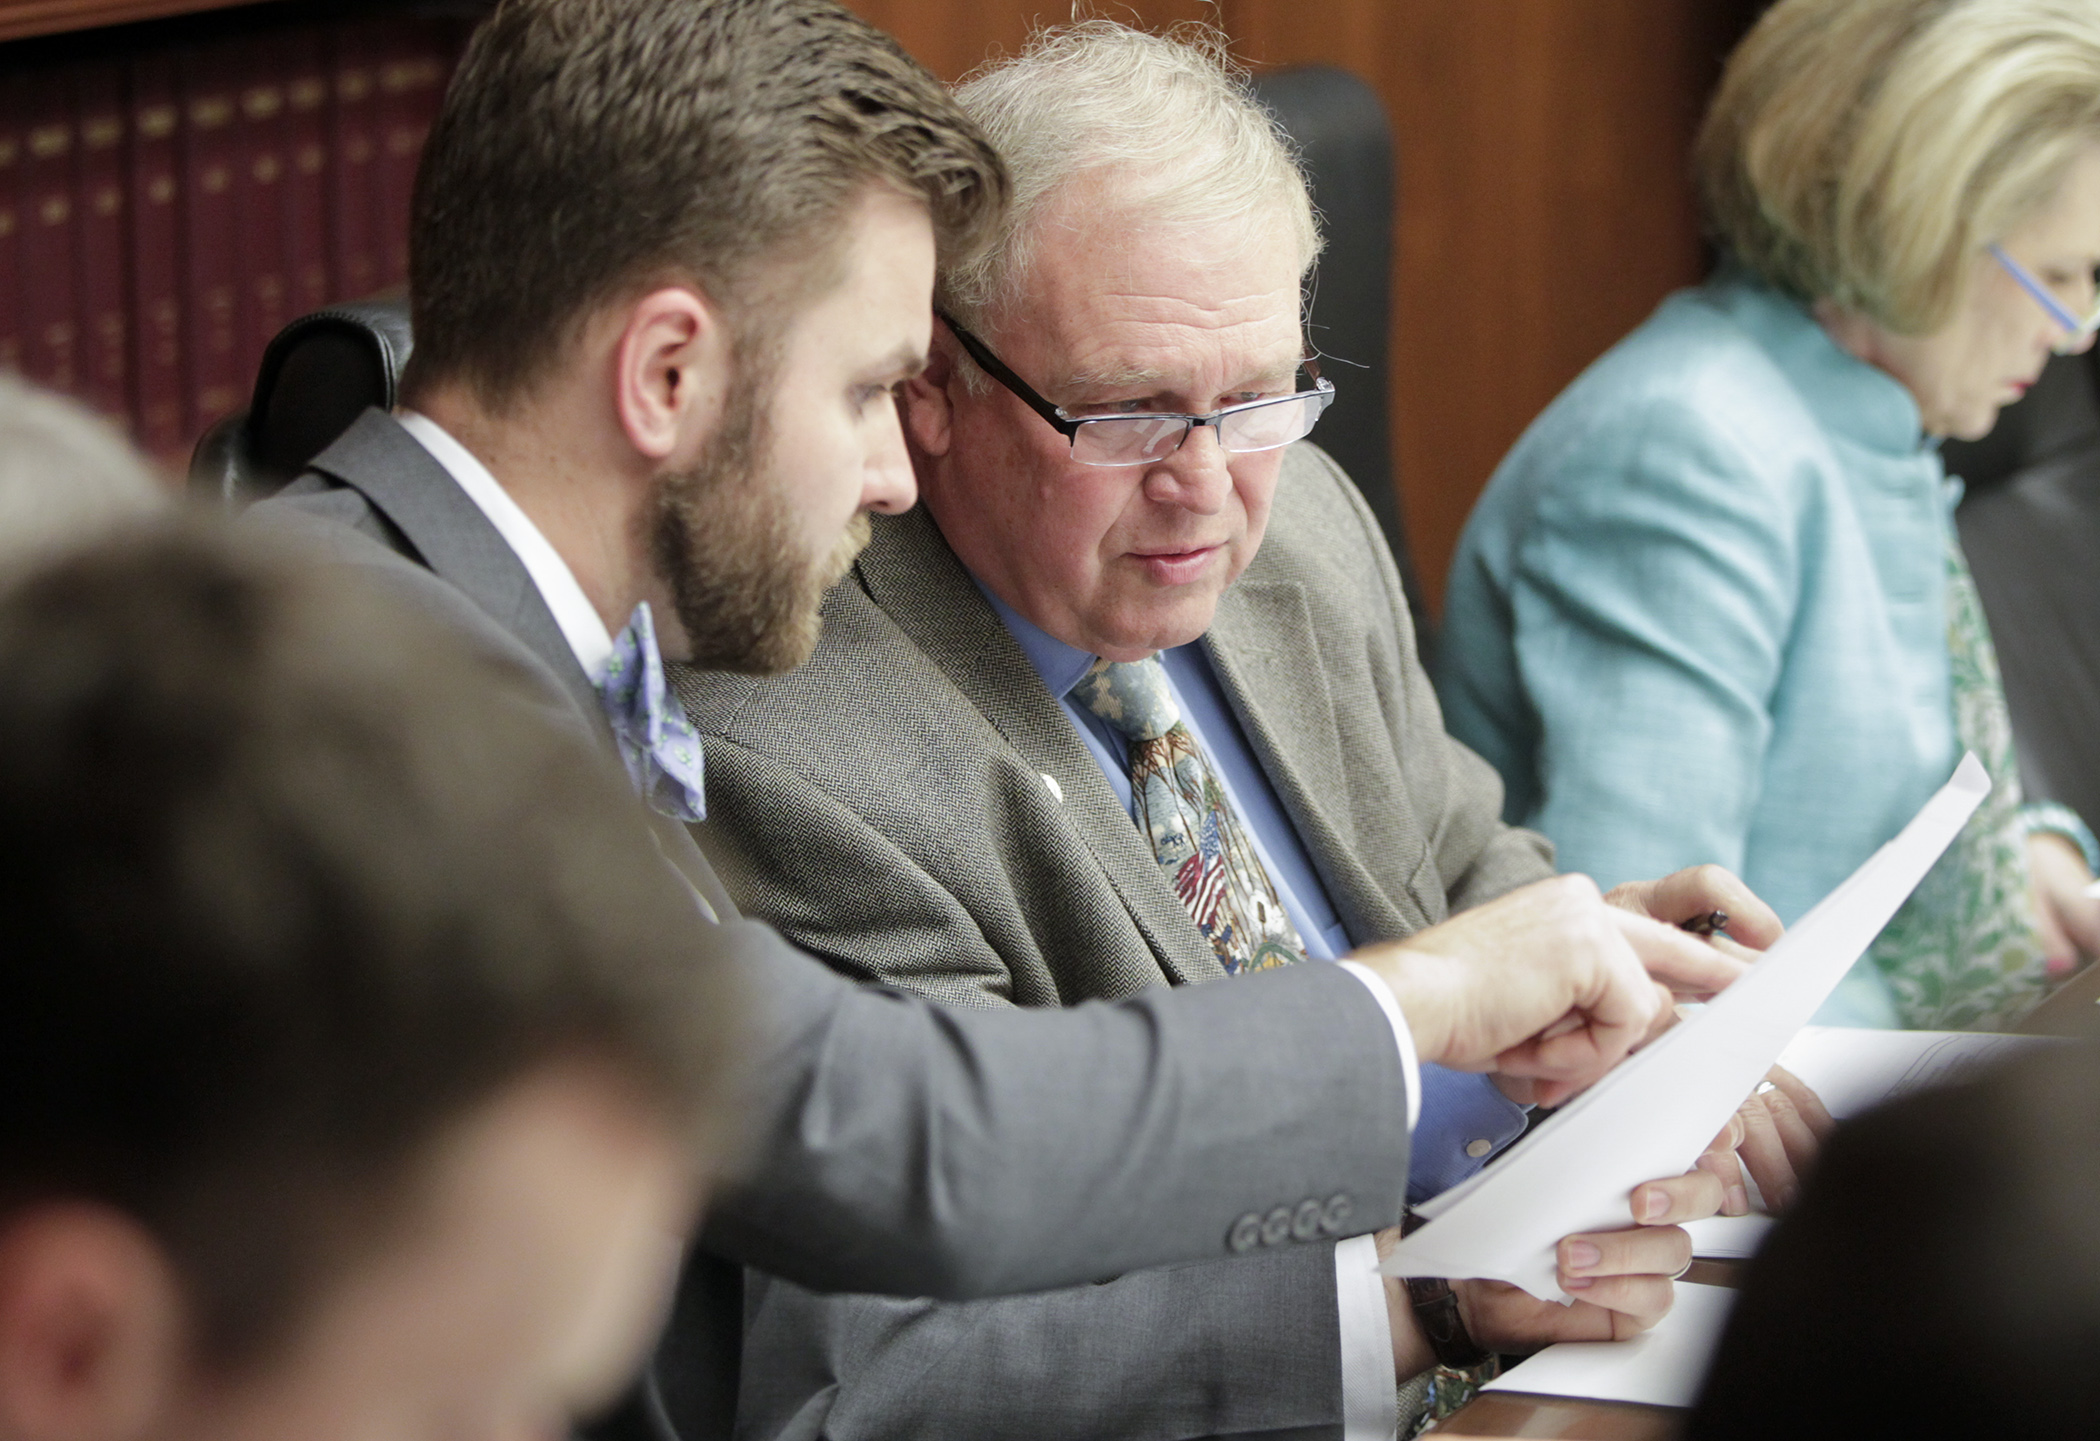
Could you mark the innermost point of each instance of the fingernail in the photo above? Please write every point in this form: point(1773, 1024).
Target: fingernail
point(1581, 1254)
point(1738, 1202)
point(1654, 1206)
point(1575, 1283)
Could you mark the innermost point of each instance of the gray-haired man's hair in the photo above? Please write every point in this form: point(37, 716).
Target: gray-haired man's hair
point(65, 475)
point(1172, 113)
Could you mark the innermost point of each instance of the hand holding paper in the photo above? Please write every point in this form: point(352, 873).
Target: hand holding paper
point(1547, 982)
point(1653, 1115)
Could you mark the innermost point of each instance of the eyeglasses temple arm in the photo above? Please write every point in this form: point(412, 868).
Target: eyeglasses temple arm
point(2057, 310)
point(993, 366)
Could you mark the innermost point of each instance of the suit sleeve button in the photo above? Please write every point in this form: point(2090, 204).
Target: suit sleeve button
point(1305, 1224)
point(1245, 1234)
point(1339, 1209)
point(1276, 1227)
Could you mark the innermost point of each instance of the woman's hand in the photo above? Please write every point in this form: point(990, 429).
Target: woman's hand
point(2067, 918)
point(1775, 1136)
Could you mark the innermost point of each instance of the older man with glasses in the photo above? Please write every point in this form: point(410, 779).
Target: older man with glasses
point(1132, 700)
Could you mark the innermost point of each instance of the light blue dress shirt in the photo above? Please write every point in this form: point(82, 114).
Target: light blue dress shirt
point(1700, 611)
point(1458, 1109)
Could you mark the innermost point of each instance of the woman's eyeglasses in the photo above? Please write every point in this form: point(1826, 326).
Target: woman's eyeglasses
point(2076, 328)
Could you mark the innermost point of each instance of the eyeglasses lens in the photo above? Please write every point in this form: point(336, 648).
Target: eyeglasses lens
point(1133, 440)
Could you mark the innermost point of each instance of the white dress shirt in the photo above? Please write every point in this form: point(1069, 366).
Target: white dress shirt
point(579, 620)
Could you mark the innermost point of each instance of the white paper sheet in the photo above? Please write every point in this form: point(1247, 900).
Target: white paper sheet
point(1659, 1367)
point(1729, 1238)
point(1852, 1070)
point(1654, 1114)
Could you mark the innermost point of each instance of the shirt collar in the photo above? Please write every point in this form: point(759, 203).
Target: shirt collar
point(573, 612)
point(1061, 666)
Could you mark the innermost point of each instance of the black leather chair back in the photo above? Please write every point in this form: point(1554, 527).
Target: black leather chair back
point(1347, 147)
point(318, 375)
point(2030, 526)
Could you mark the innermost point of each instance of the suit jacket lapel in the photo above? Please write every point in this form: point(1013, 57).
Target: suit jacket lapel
point(909, 571)
point(1266, 653)
point(401, 479)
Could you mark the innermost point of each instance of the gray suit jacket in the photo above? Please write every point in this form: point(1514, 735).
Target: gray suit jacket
point(914, 806)
point(894, 1145)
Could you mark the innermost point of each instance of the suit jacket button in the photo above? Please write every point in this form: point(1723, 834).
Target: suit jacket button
point(1276, 1227)
point(1057, 792)
point(1305, 1225)
point(1245, 1234)
point(1336, 1216)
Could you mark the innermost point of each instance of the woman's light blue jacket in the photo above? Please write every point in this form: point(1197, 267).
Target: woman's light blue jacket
point(1700, 611)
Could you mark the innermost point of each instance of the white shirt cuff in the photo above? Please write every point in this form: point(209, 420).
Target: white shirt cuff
point(1410, 1064)
point(1370, 1396)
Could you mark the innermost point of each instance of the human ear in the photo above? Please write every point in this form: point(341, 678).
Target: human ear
point(90, 1344)
point(670, 370)
point(925, 404)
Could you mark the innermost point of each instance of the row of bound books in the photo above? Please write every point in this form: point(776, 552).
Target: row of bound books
point(164, 212)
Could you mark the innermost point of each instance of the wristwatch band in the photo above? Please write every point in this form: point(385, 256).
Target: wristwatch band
point(1436, 1307)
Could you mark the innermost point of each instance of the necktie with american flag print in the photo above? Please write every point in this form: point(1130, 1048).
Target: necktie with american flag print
point(1180, 805)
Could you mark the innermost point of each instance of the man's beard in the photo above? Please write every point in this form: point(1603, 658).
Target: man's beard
point(725, 541)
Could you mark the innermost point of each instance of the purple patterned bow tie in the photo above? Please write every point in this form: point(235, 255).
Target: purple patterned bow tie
point(658, 745)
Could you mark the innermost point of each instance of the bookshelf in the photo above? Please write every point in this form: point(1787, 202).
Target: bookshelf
point(20, 19)
point(173, 189)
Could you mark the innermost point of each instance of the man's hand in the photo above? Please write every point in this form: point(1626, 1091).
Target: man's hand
point(1776, 1134)
point(1547, 982)
point(1623, 1282)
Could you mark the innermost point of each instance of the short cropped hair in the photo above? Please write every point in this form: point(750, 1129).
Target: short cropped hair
point(590, 148)
point(65, 474)
point(1172, 114)
point(1869, 150)
point(289, 881)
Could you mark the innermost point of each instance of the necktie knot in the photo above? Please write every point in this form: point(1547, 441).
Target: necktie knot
point(657, 744)
point(1132, 696)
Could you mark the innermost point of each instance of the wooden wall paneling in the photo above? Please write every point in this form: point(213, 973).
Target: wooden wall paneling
point(1544, 204)
point(953, 37)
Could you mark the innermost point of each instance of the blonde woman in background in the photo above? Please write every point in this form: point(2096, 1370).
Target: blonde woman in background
point(1711, 607)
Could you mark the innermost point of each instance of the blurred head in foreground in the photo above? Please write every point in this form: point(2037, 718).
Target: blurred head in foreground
point(64, 474)
point(359, 1053)
point(1940, 1276)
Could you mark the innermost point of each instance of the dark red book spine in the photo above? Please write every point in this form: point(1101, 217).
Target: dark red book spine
point(212, 289)
point(416, 60)
point(11, 152)
point(156, 257)
point(260, 165)
point(354, 190)
point(50, 324)
point(104, 299)
point(306, 171)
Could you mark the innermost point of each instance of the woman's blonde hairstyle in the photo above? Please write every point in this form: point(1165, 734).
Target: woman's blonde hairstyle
point(1869, 150)
point(1172, 112)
